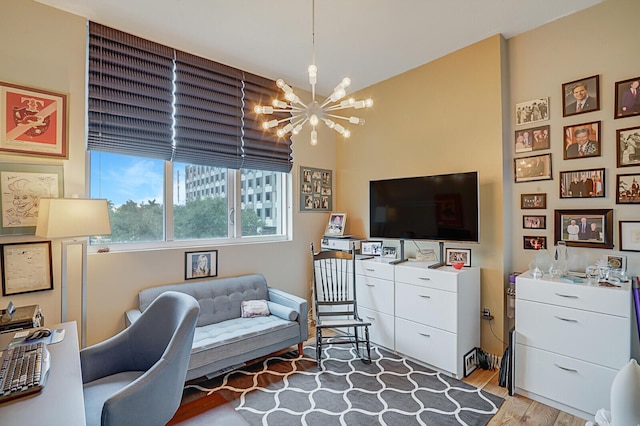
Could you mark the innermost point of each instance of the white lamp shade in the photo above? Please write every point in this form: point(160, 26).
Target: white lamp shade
point(72, 217)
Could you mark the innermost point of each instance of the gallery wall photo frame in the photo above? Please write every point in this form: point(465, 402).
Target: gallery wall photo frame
point(33, 121)
point(21, 187)
point(628, 188)
point(534, 222)
point(588, 183)
point(457, 255)
point(533, 139)
point(582, 141)
point(532, 111)
point(629, 235)
point(533, 242)
point(537, 167)
point(533, 201)
point(627, 94)
point(581, 96)
point(584, 227)
point(26, 267)
point(200, 264)
point(316, 189)
point(628, 146)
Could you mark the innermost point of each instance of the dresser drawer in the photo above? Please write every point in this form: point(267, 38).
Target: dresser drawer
point(430, 345)
point(590, 336)
point(376, 294)
point(429, 306)
point(382, 329)
point(575, 383)
point(422, 276)
point(372, 268)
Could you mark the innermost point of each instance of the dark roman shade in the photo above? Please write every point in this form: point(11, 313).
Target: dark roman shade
point(150, 100)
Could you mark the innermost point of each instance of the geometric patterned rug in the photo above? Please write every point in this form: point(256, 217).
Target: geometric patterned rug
point(392, 390)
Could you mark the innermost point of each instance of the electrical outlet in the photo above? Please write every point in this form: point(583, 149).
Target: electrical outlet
point(486, 314)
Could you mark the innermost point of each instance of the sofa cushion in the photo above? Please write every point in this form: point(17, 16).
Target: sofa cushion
point(254, 308)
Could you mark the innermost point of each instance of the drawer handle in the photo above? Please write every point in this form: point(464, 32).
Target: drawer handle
point(426, 296)
point(370, 269)
point(370, 285)
point(425, 278)
point(569, 296)
point(424, 334)
point(565, 319)
point(571, 370)
point(371, 318)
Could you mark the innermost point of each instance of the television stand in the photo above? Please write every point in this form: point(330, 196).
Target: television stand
point(441, 258)
point(402, 258)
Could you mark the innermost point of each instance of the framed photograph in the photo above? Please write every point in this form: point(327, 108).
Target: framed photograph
point(21, 187)
point(532, 111)
point(316, 190)
point(629, 235)
point(537, 167)
point(582, 141)
point(336, 225)
point(627, 98)
point(628, 147)
point(470, 362)
point(582, 183)
point(581, 96)
point(389, 252)
point(616, 261)
point(26, 267)
point(534, 222)
point(628, 189)
point(458, 255)
point(33, 121)
point(533, 201)
point(584, 228)
point(200, 264)
point(532, 242)
point(534, 139)
point(371, 248)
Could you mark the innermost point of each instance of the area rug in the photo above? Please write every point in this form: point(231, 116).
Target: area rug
point(291, 390)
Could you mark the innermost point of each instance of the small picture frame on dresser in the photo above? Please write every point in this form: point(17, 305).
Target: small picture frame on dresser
point(470, 361)
point(458, 255)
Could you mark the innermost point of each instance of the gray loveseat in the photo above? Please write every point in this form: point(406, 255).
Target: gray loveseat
point(223, 339)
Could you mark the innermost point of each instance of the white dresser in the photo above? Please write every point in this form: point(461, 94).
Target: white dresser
point(376, 295)
point(571, 340)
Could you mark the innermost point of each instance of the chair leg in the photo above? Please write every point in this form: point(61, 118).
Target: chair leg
point(300, 349)
point(366, 335)
point(318, 347)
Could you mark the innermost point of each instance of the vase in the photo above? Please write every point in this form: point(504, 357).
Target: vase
point(625, 394)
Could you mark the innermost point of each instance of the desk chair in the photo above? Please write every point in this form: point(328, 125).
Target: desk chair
point(137, 377)
point(335, 303)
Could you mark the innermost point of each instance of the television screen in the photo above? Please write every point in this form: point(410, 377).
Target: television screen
point(440, 207)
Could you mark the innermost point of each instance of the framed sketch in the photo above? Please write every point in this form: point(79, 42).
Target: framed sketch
point(616, 261)
point(316, 190)
point(628, 189)
point(581, 96)
point(537, 167)
point(470, 362)
point(200, 264)
point(33, 121)
point(371, 248)
point(26, 267)
point(627, 98)
point(532, 111)
point(629, 235)
point(21, 187)
point(532, 242)
point(533, 201)
point(457, 255)
point(534, 222)
point(534, 139)
point(628, 147)
point(389, 252)
point(582, 183)
point(336, 225)
point(582, 141)
point(584, 228)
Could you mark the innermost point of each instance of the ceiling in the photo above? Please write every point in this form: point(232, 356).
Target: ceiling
point(366, 40)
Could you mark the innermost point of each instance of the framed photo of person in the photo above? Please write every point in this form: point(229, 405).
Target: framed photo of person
point(336, 225)
point(533, 201)
point(627, 98)
point(532, 242)
point(534, 222)
point(581, 96)
point(582, 140)
point(200, 264)
point(582, 184)
point(537, 167)
point(371, 248)
point(628, 147)
point(532, 111)
point(628, 189)
point(629, 235)
point(584, 228)
point(457, 255)
point(389, 252)
point(534, 139)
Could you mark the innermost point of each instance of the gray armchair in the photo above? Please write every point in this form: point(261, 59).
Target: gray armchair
point(137, 376)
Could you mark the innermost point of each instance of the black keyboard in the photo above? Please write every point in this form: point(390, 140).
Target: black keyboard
point(23, 370)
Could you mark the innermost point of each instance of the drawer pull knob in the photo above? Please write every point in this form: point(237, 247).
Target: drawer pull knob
point(571, 370)
point(569, 296)
point(425, 278)
point(565, 319)
point(424, 334)
point(426, 296)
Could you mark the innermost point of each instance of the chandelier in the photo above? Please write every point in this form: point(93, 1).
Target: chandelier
point(315, 111)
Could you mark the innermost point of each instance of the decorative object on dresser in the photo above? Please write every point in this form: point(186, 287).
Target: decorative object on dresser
point(628, 146)
point(584, 228)
point(582, 141)
point(582, 184)
point(581, 96)
point(371, 248)
point(628, 189)
point(537, 167)
point(458, 255)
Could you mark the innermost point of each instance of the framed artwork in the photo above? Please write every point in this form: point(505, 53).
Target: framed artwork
point(26, 267)
point(537, 167)
point(33, 121)
point(457, 255)
point(532, 111)
point(629, 235)
point(389, 251)
point(316, 190)
point(581, 96)
point(533, 201)
point(628, 147)
point(21, 187)
point(628, 189)
point(616, 262)
point(371, 248)
point(336, 225)
point(470, 362)
point(534, 222)
point(584, 228)
point(627, 98)
point(534, 139)
point(200, 264)
point(530, 242)
point(582, 183)
point(582, 141)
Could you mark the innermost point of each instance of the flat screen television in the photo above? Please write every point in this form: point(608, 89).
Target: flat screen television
point(440, 207)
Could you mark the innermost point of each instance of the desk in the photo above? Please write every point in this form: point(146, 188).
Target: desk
point(61, 402)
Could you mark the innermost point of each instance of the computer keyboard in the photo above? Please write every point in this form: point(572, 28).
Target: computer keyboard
point(23, 370)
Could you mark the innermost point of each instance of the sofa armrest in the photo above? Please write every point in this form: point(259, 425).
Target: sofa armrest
point(131, 316)
point(296, 303)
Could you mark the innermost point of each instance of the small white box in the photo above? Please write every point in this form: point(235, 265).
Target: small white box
point(343, 244)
